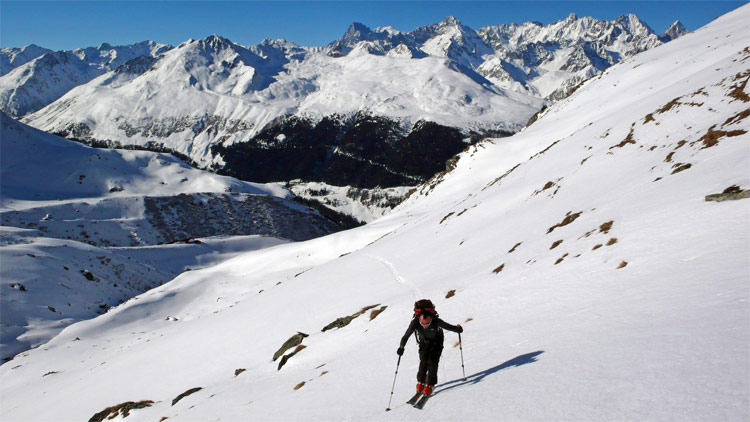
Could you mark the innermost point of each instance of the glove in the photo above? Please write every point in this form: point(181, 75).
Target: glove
point(400, 351)
point(460, 328)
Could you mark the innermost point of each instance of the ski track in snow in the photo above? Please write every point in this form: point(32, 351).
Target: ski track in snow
point(397, 276)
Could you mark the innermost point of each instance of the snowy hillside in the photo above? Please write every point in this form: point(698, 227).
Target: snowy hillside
point(592, 277)
point(80, 227)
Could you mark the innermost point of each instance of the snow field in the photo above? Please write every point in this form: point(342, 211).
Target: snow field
point(651, 326)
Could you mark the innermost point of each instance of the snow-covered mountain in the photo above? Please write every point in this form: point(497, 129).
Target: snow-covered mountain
point(84, 229)
point(34, 77)
point(592, 276)
point(235, 109)
point(676, 30)
point(11, 57)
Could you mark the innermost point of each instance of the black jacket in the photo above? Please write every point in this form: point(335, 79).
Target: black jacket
point(432, 335)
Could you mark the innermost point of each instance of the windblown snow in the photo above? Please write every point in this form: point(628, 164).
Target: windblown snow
point(593, 278)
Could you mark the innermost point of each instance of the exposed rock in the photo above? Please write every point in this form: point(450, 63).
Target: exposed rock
point(185, 394)
point(120, 409)
point(293, 341)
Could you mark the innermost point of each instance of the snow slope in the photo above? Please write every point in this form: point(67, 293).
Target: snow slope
point(83, 172)
point(79, 227)
point(593, 279)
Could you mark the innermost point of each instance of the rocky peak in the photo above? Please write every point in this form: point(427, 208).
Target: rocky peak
point(357, 32)
point(634, 25)
point(674, 31)
point(215, 43)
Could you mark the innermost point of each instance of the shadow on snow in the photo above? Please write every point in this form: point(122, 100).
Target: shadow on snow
point(479, 376)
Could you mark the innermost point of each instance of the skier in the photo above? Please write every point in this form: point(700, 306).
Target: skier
point(428, 329)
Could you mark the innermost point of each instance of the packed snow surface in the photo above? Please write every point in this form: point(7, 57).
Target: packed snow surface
point(593, 280)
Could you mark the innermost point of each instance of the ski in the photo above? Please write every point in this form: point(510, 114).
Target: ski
point(412, 401)
point(420, 404)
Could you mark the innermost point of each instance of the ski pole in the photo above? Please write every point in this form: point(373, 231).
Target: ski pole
point(394, 384)
point(462, 355)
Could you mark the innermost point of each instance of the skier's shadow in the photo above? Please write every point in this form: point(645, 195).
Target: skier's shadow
point(479, 376)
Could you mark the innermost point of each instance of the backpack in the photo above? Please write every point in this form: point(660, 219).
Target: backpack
point(424, 306)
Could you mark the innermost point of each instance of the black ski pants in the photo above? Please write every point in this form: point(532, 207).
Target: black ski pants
point(429, 357)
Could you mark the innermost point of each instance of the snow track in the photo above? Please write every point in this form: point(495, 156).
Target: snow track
point(397, 276)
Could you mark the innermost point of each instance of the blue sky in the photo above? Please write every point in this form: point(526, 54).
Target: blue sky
point(65, 25)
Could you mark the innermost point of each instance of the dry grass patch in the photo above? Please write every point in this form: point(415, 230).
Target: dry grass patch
point(120, 409)
point(446, 217)
point(376, 312)
point(569, 218)
point(737, 117)
point(628, 140)
point(559, 260)
point(623, 264)
point(498, 269)
point(556, 244)
point(668, 106)
point(298, 386)
point(738, 90)
point(185, 394)
point(597, 247)
point(711, 138)
point(514, 247)
point(450, 294)
point(678, 167)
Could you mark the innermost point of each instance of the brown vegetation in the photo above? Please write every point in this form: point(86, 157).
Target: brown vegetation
point(681, 167)
point(628, 140)
point(376, 312)
point(498, 269)
point(120, 409)
point(738, 90)
point(668, 106)
point(446, 217)
point(711, 138)
point(514, 247)
point(185, 394)
point(569, 218)
point(737, 117)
